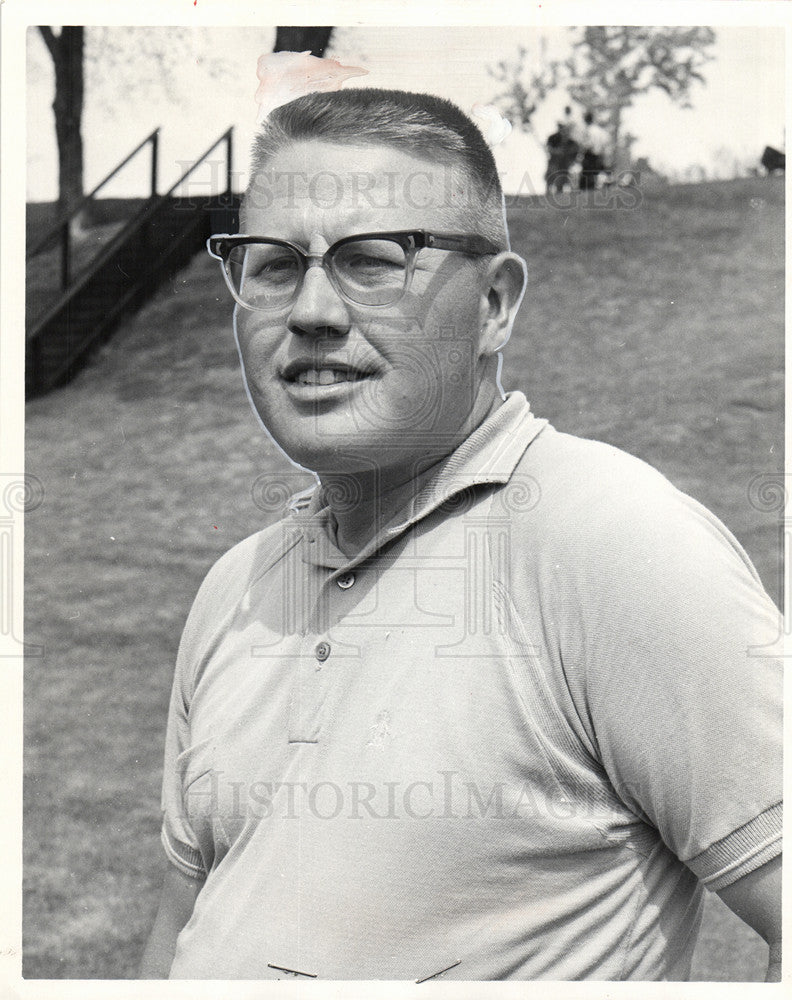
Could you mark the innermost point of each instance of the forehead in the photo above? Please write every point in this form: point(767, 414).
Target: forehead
point(336, 189)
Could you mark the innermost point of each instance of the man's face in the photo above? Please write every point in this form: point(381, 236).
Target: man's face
point(345, 387)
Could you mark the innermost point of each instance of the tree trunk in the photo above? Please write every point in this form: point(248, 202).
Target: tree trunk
point(615, 130)
point(301, 39)
point(66, 50)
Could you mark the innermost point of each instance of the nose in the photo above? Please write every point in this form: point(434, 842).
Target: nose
point(318, 310)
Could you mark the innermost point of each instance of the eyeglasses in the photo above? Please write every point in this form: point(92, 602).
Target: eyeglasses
point(369, 269)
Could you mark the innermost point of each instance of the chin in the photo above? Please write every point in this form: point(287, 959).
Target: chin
point(356, 454)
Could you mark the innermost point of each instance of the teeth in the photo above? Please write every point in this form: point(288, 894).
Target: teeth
point(325, 376)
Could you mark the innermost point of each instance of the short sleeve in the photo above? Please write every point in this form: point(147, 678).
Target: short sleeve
point(214, 605)
point(677, 637)
point(178, 838)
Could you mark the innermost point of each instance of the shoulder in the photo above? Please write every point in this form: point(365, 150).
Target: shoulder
point(609, 524)
point(584, 486)
point(229, 579)
point(242, 564)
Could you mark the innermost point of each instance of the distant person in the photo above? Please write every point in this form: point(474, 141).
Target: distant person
point(481, 706)
point(562, 154)
point(570, 125)
point(594, 143)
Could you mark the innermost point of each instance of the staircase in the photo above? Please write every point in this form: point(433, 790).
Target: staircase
point(162, 238)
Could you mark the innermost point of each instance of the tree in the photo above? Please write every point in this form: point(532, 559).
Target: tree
point(525, 86)
point(73, 54)
point(610, 66)
point(302, 39)
point(67, 51)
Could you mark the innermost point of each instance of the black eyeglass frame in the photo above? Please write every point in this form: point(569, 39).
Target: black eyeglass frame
point(411, 241)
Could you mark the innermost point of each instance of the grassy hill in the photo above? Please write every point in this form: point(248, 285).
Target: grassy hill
point(656, 326)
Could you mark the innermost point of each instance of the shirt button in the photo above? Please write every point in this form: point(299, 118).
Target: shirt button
point(346, 580)
point(322, 651)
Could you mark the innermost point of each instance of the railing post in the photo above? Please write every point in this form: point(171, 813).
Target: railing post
point(65, 256)
point(229, 161)
point(154, 162)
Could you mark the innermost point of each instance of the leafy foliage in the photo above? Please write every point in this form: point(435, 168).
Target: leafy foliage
point(525, 86)
point(612, 65)
point(609, 67)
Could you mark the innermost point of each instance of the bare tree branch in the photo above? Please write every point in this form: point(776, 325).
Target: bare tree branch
point(103, 55)
point(526, 86)
point(50, 38)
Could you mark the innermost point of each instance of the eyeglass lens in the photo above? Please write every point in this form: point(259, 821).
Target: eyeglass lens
point(369, 272)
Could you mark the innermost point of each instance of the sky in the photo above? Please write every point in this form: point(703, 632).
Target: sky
point(736, 113)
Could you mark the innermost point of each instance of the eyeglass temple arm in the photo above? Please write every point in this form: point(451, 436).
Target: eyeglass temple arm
point(463, 244)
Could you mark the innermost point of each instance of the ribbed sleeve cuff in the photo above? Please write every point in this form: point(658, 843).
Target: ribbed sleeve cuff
point(184, 857)
point(742, 851)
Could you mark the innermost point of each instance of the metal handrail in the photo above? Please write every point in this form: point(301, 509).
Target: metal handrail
point(149, 210)
point(225, 137)
point(152, 138)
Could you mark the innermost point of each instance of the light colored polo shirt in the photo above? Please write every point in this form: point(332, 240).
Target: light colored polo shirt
point(512, 739)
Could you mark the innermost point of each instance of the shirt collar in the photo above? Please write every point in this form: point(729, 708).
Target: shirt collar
point(489, 455)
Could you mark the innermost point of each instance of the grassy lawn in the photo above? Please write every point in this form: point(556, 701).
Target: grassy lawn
point(657, 328)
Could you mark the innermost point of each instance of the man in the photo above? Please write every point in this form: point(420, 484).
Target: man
point(481, 706)
point(562, 153)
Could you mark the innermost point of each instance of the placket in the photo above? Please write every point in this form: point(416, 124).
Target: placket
point(323, 656)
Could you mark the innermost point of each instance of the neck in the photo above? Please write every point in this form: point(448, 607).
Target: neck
point(378, 497)
point(363, 502)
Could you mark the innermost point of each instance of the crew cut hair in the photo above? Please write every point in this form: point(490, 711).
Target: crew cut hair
point(421, 124)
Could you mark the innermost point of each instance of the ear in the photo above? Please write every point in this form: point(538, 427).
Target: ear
point(503, 287)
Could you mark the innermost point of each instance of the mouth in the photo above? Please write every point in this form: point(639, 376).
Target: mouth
point(327, 376)
point(302, 373)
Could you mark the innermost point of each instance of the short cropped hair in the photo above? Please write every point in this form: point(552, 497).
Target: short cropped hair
point(424, 125)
